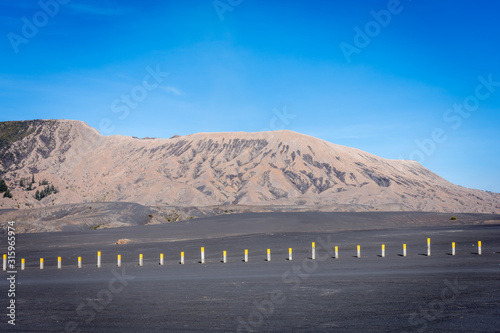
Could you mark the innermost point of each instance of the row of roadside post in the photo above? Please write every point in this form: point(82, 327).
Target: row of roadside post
point(224, 256)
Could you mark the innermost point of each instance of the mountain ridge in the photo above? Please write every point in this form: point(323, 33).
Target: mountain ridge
point(222, 168)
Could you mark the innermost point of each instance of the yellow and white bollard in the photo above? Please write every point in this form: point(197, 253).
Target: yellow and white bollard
point(246, 255)
point(290, 254)
point(23, 264)
point(41, 263)
point(383, 250)
point(453, 248)
point(268, 254)
point(140, 260)
point(358, 251)
point(224, 257)
point(313, 250)
point(182, 258)
point(99, 259)
point(161, 259)
point(202, 255)
point(119, 260)
point(79, 262)
point(479, 250)
point(4, 264)
point(404, 250)
point(428, 247)
point(59, 263)
point(336, 252)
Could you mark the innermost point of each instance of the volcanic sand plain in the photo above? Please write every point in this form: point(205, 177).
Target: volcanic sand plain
point(416, 293)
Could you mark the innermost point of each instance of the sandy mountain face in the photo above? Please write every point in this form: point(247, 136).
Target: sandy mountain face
point(278, 168)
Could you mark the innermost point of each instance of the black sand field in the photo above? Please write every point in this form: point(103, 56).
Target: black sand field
point(416, 293)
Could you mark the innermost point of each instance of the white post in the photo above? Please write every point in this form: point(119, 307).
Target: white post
point(202, 255)
point(99, 259)
point(359, 251)
point(161, 259)
point(428, 247)
point(313, 250)
point(59, 263)
point(404, 250)
point(79, 262)
point(140, 259)
point(290, 254)
point(336, 252)
point(41, 263)
point(224, 257)
point(479, 250)
point(268, 254)
point(4, 265)
point(246, 255)
point(182, 258)
point(383, 250)
point(119, 260)
point(453, 248)
point(22, 264)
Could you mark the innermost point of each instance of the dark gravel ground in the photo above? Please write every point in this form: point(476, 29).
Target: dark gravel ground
point(440, 293)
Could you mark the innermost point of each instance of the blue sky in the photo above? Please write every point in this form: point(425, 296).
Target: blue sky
point(402, 80)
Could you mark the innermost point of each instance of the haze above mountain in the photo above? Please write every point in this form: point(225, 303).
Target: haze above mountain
point(278, 168)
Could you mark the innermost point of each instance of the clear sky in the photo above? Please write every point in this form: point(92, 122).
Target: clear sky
point(403, 80)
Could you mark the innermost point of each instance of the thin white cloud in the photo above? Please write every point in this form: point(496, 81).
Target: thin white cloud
point(172, 90)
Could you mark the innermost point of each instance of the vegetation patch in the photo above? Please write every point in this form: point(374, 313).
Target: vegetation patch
point(173, 217)
point(12, 131)
point(5, 189)
point(48, 190)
